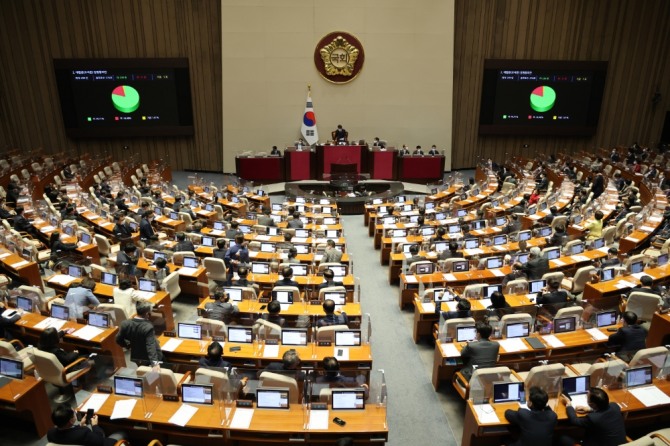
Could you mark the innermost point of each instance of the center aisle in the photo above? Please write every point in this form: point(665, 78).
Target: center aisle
point(415, 414)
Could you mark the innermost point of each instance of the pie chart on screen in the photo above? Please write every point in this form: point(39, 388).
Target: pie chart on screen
point(542, 99)
point(125, 99)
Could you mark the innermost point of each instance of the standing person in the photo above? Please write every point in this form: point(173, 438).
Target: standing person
point(138, 334)
point(161, 272)
point(80, 297)
point(126, 296)
point(331, 254)
point(265, 219)
point(126, 260)
point(221, 248)
point(603, 424)
point(237, 256)
point(82, 433)
point(536, 423)
point(481, 353)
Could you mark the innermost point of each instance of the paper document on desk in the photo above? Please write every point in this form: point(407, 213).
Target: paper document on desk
point(61, 279)
point(485, 303)
point(633, 239)
point(486, 414)
point(650, 396)
point(604, 249)
point(410, 279)
point(497, 272)
point(558, 262)
point(19, 264)
point(171, 345)
point(271, 351)
point(299, 240)
point(241, 418)
point(50, 322)
point(341, 353)
point(553, 341)
point(216, 232)
point(318, 419)
point(428, 307)
point(123, 409)
point(186, 271)
point(183, 415)
point(596, 334)
point(450, 350)
point(646, 228)
point(638, 276)
point(624, 284)
point(95, 402)
point(580, 400)
point(88, 332)
point(450, 306)
point(5, 254)
point(513, 345)
point(449, 277)
point(46, 229)
point(472, 252)
point(263, 238)
point(580, 258)
point(253, 254)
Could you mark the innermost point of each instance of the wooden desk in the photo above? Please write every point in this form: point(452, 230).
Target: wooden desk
point(326, 155)
point(19, 268)
point(194, 284)
point(620, 284)
point(659, 330)
point(382, 163)
point(420, 169)
point(211, 425)
point(263, 169)
point(635, 414)
point(27, 397)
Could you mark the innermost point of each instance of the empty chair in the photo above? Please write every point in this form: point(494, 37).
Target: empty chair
point(484, 377)
point(575, 311)
point(14, 349)
point(212, 327)
point(52, 371)
point(602, 372)
point(576, 284)
point(117, 312)
point(178, 257)
point(416, 266)
point(186, 218)
point(105, 248)
point(168, 382)
point(557, 276)
point(644, 305)
point(653, 356)
point(266, 330)
point(517, 286)
point(608, 235)
point(171, 285)
point(221, 383)
point(108, 171)
point(559, 220)
point(216, 270)
point(330, 289)
point(37, 295)
point(473, 291)
point(543, 376)
point(269, 379)
point(633, 259)
point(657, 438)
point(327, 333)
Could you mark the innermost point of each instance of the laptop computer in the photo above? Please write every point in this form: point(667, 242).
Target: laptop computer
point(208, 241)
point(499, 240)
point(489, 290)
point(553, 253)
point(128, 386)
point(507, 392)
point(347, 338)
point(577, 387)
point(272, 398)
point(197, 393)
point(460, 266)
point(348, 399)
point(524, 235)
point(339, 297)
point(472, 243)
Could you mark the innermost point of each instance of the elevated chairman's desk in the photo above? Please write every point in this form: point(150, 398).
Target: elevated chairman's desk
point(476, 433)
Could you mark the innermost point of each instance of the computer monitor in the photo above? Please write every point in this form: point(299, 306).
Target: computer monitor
point(507, 392)
point(424, 268)
point(427, 231)
point(268, 247)
point(500, 221)
point(490, 289)
point(389, 220)
point(440, 216)
point(347, 338)
point(251, 216)
point(607, 274)
point(478, 224)
point(598, 243)
point(260, 268)
point(339, 297)
point(430, 205)
point(517, 330)
point(638, 376)
point(576, 385)
point(147, 285)
point(637, 267)
point(75, 271)
point(442, 295)
point(219, 226)
point(553, 253)
point(260, 192)
point(535, 286)
point(85, 238)
point(466, 333)
point(565, 324)
point(472, 243)
point(60, 312)
point(190, 262)
point(108, 279)
point(521, 257)
point(301, 248)
point(494, 262)
point(283, 297)
point(461, 212)
point(197, 393)
point(524, 235)
point(100, 320)
point(499, 240)
point(241, 335)
point(400, 199)
point(134, 226)
point(245, 229)
point(460, 266)
point(128, 386)
point(11, 368)
point(208, 241)
point(532, 210)
point(544, 231)
point(189, 331)
point(68, 229)
point(348, 399)
point(324, 201)
point(662, 260)
point(174, 215)
point(276, 207)
point(293, 336)
point(235, 294)
point(407, 207)
point(209, 207)
point(24, 303)
point(577, 248)
point(605, 318)
point(272, 398)
point(440, 246)
point(159, 255)
point(382, 210)
point(302, 233)
point(453, 229)
point(398, 233)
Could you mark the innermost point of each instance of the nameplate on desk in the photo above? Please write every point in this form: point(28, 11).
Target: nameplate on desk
point(319, 406)
point(364, 366)
point(218, 338)
point(169, 334)
point(81, 321)
point(324, 343)
point(315, 302)
point(264, 300)
point(104, 389)
point(244, 403)
point(272, 342)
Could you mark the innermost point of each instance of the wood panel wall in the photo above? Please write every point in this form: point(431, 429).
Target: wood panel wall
point(632, 35)
point(34, 32)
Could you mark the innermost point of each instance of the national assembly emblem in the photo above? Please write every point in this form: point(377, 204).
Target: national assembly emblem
point(339, 57)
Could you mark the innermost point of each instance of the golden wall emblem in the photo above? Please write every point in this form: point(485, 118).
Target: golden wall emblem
point(339, 57)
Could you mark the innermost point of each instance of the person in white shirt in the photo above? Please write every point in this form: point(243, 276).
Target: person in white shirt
point(126, 296)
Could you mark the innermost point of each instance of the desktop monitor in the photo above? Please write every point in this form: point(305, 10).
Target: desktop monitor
point(575, 385)
point(407, 207)
point(440, 246)
point(190, 262)
point(544, 231)
point(85, 238)
point(424, 268)
point(427, 231)
point(400, 199)
point(276, 207)
point(532, 210)
point(478, 224)
point(460, 266)
point(507, 392)
point(268, 247)
point(174, 215)
point(472, 243)
point(24, 303)
point(339, 297)
point(499, 240)
point(301, 248)
point(251, 216)
point(637, 267)
point(348, 399)
point(273, 230)
point(347, 338)
point(245, 229)
point(535, 286)
point(521, 257)
point(382, 210)
point(284, 297)
point(543, 205)
point(209, 207)
point(260, 192)
point(442, 295)
point(331, 233)
point(339, 270)
point(501, 221)
point(159, 255)
point(598, 243)
point(60, 311)
point(235, 294)
point(208, 241)
point(108, 279)
point(517, 330)
point(492, 289)
point(399, 233)
point(260, 268)
point(196, 393)
point(406, 247)
point(389, 220)
point(494, 262)
point(68, 229)
point(662, 260)
point(189, 331)
point(302, 233)
point(430, 205)
point(100, 320)
point(565, 324)
point(147, 285)
point(300, 199)
point(241, 335)
point(605, 318)
point(453, 229)
point(440, 216)
point(577, 219)
point(324, 201)
point(134, 226)
point(219, 226)
point(75, 271)
point(299, 269)
point(272, 398)
point(494, 203)
point(577, 248)
point(327, 210)
point(293, 336)
point(553, 253)
point(524, 235)
point(466, 333)
point(638, 376)
point(128, 386)
point(461, 213)
point(607, 274)
point(11, 368)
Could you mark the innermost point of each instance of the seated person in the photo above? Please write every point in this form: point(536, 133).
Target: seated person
point(331, 318)
point(536, 423)
point(85, 432)
point(559, 238)
point(552, 294)
point(537, 266)
point(480, 353)
point(80, 297)
point(221, 309)
point(452, 252)
point(517, 273)
point(243, 273)
point(433, 150)
point(612, 258)
point(287, 277)
point(647, 286)
point(275, 151)
point(221, 247)
point(161, 272)
point(418, 151)
point(274, 308)
point(214, 358)
point(183, 244)
point(628, 339)
point(332, 368)
point(603, 424)
point(289, 365)
point(331, 254)
point(122, 230)
point(462, 310)
point(329, 277)
point(49, 342)
point(415, 257)
point(403, 150)
point(58, 247)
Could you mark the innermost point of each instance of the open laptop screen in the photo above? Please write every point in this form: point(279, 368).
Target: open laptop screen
point(75, 271)
point(235, 294)
point(494, 262)
point(284, 297)
point(260, 268)
point(517, 330)
point(348, 399)
point(505, 392)
point(190, 262)
point(347, 338)
point(553, 253)
point(574, 385)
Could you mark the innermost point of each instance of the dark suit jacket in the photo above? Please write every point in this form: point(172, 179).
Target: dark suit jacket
point(537, 426)
point(602, 428)
point(80, 435)
point(186, 245)
point(556, 297)
point(286, 282)
point(266, 220)
point(139, 335)
point(446, 254)
point(629, 338)
point(146, 231)
point(536, 268)
point(482, 353)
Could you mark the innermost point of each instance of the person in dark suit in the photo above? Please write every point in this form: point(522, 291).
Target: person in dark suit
point(418, 151)
point(462, 310)
point(536, 266)
point(553, 213)
point(138, 334)
point(22, 224)
point(340, 134)
point(415, 257)
point(146, 231)
point(275, 151)
point(183, 244)
point(290, 364)
point(49, 342)
point(332, 367)
point(403, 151)
point(85, 432)
point(598, 186)
point(603, 425)
point(612, 258)
point(331, 318)
point(514, 225)
point(537, 424)
point(480, 353)
point(559, 238)
point(220, 251)
point(273, 314)
point(287, 277)
point(329, 277)
point(214, 358)
point(451, 253)
point(237, 255)
point(295, 222)
point(265, 219)
point(433, 150)
point(126, 260)
point(120, 202)
point(122, 230)
point(647, 286)
point(552, 294)
point(243, 274)
point(629, 338)
point(515, 274)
